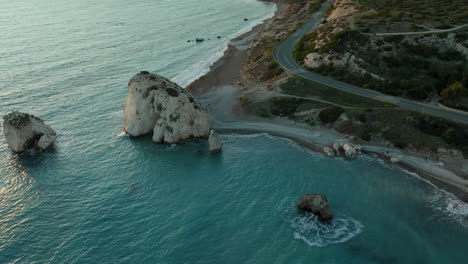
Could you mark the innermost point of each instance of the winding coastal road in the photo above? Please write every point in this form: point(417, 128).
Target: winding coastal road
point(283, 54)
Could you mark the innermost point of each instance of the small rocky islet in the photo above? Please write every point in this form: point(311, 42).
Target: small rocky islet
point(24, 131)
point(316, 204)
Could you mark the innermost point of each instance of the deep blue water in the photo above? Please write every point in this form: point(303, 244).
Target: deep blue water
point(100, 198)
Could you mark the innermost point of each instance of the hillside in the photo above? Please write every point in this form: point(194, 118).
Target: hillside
point(361, 43)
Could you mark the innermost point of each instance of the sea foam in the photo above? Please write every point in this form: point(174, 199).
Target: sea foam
point(201, 68)
point(315, 233)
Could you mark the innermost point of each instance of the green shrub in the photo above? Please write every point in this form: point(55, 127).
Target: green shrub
point(418, 93)
point(454, 91)
point(244, 100)
point(331, 114)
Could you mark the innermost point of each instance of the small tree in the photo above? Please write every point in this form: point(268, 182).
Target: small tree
point(454, 91)
point(331, 114)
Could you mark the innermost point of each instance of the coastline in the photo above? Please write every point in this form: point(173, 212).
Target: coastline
point(206, 65)
point(225, 73)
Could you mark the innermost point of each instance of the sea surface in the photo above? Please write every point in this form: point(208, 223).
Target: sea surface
point(100, 197)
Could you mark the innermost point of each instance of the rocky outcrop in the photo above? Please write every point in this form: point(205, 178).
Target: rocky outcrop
point(350, 151)
point(317, 204)
point(156, 105)
point(214, 141)
point(329, 151)
point(23, 131)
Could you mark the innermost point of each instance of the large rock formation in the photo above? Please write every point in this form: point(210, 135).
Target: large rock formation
point(161, 107)
point(23, 131)
point(317, 204)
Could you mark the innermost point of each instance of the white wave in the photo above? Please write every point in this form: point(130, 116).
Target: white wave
point(236, 137)
point(443, 201)
point(123, 133)
point(192, 73)
point(315, 233)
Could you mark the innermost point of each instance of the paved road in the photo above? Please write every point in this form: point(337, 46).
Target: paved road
point(431, 31)
point(283, 54)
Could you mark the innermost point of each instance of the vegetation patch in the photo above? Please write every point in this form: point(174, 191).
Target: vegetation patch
point(331, 114)
point(306, 88)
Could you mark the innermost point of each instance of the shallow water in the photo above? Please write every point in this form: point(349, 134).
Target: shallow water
point(136, 202)
point(100, 198)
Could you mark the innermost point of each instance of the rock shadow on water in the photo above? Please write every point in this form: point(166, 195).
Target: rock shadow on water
point(31, 158)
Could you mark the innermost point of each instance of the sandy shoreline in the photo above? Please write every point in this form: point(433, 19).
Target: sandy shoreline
point(225, 76)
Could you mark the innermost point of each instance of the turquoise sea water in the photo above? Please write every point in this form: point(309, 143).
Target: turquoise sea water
point(99, 198)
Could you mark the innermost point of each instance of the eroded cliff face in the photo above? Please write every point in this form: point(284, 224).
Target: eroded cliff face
point(159, 106)
point(23, 131)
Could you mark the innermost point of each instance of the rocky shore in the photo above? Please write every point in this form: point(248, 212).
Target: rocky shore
point(228, 81)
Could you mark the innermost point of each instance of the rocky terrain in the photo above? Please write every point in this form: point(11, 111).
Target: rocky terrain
point(158, 106)
point(427, 67)
point(431, 67)
point(24, 131)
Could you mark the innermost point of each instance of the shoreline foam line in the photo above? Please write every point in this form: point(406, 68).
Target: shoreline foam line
point(203, 67)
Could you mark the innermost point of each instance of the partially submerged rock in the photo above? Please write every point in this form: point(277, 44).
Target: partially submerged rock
point(329, 151)
point(317, 204)
point(214, 141)
point(158, 106)
point(23, 131)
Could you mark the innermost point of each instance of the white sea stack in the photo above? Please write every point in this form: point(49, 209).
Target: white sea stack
point(23, 131)
point(214, 141)
point(156, 105)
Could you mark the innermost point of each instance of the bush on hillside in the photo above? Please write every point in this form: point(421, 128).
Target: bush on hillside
point(331, 114)
point(454, 91)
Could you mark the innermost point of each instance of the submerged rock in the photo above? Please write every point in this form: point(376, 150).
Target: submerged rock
point(214, 141)
point(156, 105)
point(23, 131)
point(317, 204)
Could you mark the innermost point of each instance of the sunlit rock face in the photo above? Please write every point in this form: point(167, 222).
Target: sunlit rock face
point(156, 105)
point(23, 131)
